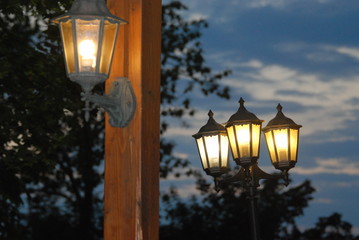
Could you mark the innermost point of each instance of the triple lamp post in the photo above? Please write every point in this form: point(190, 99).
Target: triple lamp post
point(242, 134)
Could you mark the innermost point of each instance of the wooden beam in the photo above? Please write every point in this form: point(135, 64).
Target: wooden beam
point(132, 153)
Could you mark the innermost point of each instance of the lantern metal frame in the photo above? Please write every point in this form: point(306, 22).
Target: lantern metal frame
point(120, 103)
point(248, 173)
point(281, 122)
point(212, 128)
point(240, 118)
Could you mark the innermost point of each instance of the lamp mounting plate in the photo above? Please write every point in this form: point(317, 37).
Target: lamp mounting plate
point(119, 103)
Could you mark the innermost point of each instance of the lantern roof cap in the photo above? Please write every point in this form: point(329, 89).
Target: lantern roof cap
point(89, 9)
point(211, 127)
point(280, 120)
point(243, 115)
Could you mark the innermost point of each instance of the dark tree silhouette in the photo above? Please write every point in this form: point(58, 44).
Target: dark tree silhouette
point(225, 215)
point(50, 159)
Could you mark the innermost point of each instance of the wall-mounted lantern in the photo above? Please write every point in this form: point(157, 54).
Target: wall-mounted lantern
point(88, 33)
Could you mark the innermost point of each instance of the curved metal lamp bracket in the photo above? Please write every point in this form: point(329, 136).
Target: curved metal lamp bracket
point(119, 103)
point(250, 176)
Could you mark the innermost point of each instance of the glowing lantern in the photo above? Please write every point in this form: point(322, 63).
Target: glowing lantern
point(244, 131)
point(213, 147)
point(282, 138)
point(89, 32)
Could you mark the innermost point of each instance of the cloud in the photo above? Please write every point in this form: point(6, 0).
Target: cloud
point(319, 52)
point(222, 12)
point(330, 166)
point(269, 3)
point(355, 230)
point(347, 51)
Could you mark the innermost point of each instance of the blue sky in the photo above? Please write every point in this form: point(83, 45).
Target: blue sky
point(305, 55)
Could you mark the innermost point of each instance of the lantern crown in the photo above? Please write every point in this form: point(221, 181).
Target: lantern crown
point(89, 9)
point(211, 127)
point(243, 115)
point(280, 120)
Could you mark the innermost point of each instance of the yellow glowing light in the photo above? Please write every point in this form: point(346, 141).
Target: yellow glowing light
point(281, 139)
point(243, 138)
point(87, 52)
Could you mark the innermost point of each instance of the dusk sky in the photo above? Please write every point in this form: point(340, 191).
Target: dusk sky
point(303, 54)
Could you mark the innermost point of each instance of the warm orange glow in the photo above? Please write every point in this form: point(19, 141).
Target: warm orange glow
point(87, 52)
point(243, 140)
point(281, 140)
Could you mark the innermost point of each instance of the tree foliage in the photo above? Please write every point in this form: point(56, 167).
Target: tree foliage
point(183, 71)
point(225, 215)
point(51, 160)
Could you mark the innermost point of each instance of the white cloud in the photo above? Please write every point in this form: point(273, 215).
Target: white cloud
point(197, 16)
point(355, 230)
point(252, 64)
point(324, 98)
point(330, 166)
point(187, 190)
point(269, 3)
point(348, 51)
point(223, 12)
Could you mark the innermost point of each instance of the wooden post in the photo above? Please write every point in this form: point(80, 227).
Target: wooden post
point(132, 153)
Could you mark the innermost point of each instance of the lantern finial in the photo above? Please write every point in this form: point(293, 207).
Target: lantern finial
point(241, 102)
point(210, 114)
point(279, 107)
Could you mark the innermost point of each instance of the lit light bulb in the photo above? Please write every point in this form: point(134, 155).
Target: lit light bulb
point(281, 140)
point(87, 53)
point(212, 150)
point(243, 139)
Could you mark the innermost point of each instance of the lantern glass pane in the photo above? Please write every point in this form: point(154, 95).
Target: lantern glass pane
point(202, 152)
point(232, 141)
point(256, 136)
point(224, 150)
point(270, 146)
point(108, 44)
point(87, 33)
point(243, 140)
point(281, 143)
point(212, 147)
point(68, 44)
point(293, 144)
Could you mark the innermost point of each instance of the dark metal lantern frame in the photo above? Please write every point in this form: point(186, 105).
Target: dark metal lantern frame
point(219, 164)
point(249, 174)
point(283, 155)
point(244, 153)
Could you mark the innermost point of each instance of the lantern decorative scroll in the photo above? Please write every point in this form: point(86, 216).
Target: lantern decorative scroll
point(213, 147)
point(244, 133)
point(89, 32)
point(282, 138)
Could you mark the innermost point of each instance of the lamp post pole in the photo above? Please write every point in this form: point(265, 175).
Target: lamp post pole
point(242, 135)
point(249, 178)
point(131, 210)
